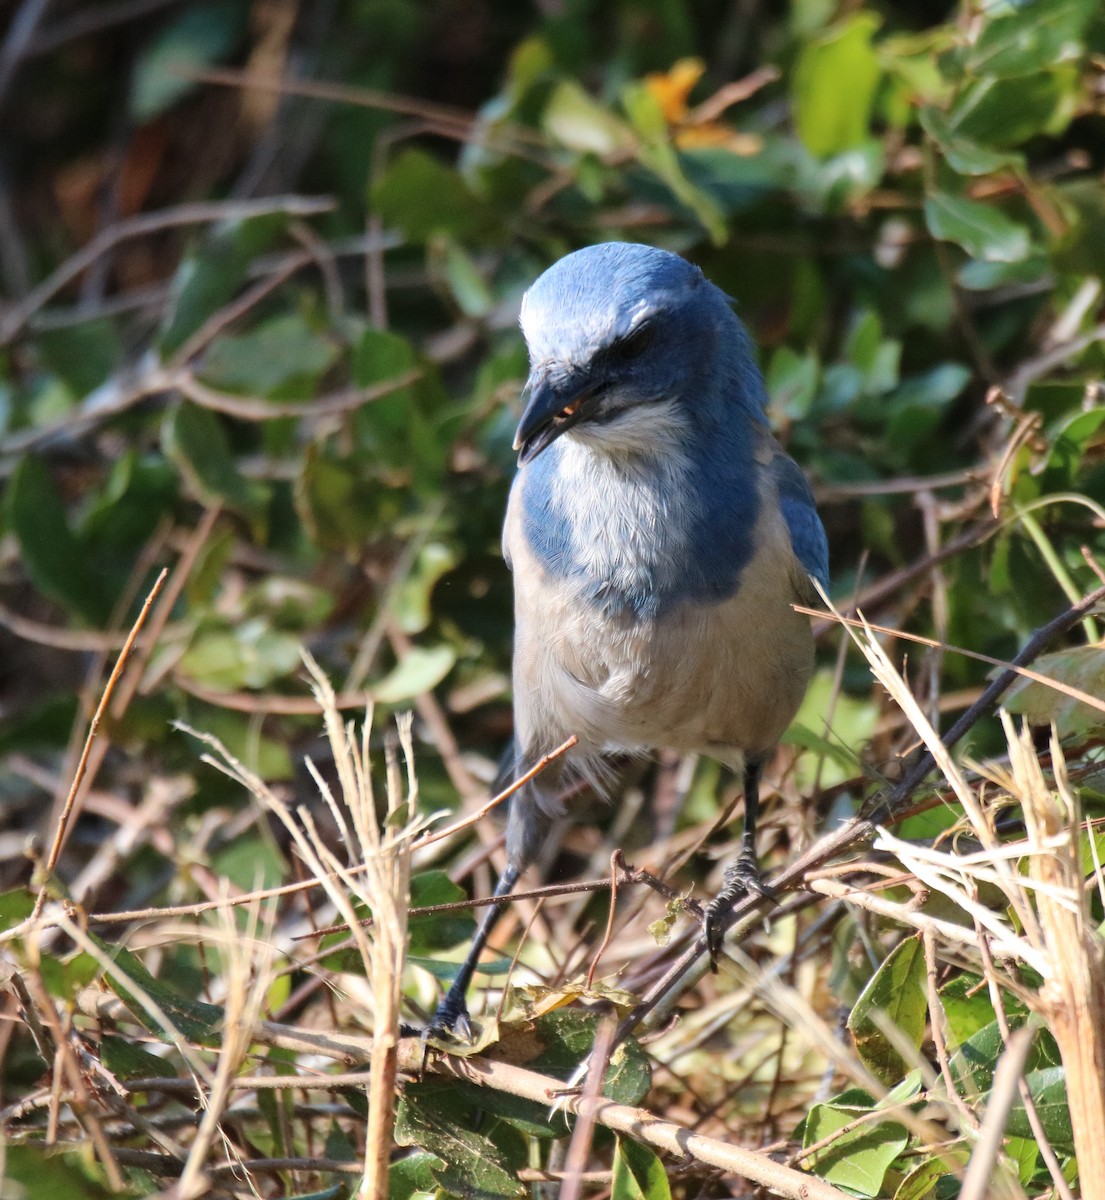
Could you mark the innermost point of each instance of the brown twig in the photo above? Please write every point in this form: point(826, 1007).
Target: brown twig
point(62, 825)
point(16, 317)
point(455, 123)
point(93, 756)
point(616, 864)
point(579, 1146)
point(667, 1137)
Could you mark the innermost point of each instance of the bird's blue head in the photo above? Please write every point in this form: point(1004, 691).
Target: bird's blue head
point(628, 344)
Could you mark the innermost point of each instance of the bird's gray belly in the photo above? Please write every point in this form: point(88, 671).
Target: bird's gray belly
point(716, 678)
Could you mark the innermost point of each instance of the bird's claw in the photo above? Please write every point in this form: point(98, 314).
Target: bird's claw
point(450, 1023)
point(742, 878)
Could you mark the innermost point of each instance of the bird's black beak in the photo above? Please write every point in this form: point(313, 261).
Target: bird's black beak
point(551, 411)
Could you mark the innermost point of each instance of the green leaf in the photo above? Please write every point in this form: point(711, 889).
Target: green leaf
point(439, 1118)
point(963, 155)
point(832, 116)
point(441, 969)
point(920, 403)
point(213, 273)
point(895, 996)
point(854, 722)
point(288, 603)
point(966, 1003)
point(566, 1037)
point(250, 862)
point(421, 196)
point(201, 35)
point(397, 429)
point(876, 356)
point(1007, 112)
point(82, 356)
point(975, 1060)
point(251, 655)
point(920, 1182)
point(656, 153)
point(1025, 1152)
point(51, 554)
point(411, 605)
point(195, 439)
point(437, 931)
point(419, 671)
point(268, 757)
point(338, 1145)
point(857, 1160)
point(64, 977)
point(465, 279)
point(1082, 667)
point(139, 491)
point(282, 358)
point(914, 61)
point(980, 229)
point(1030, 37)
point(574, 120)
point(1081, 250)
point(792, 382)
point(834, 183)
point(195, 1020)
point(32, 1173)
point(410, 1174)
point(982, 276)
point(1076, 439)
point(129, 1060)
point(341, 505)
point(638, 1173)
point(16, 905)
point(1048, 1089)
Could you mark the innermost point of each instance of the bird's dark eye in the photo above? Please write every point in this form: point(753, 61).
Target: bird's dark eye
point(634, 344)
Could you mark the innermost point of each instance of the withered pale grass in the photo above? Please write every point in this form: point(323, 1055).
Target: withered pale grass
point(247, 973)
point(376, 872)
point(1027, 901)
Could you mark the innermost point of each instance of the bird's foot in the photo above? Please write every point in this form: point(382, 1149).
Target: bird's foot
point(450, 1023)
point(742, 878)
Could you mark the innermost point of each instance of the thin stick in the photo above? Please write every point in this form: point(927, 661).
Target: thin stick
point(93, 729)
point(668, 1137)
point(287, 889)
point(984, 1178)
point(614, 873)
point(579, 1148)
point(148, 223)
point(1066, 689)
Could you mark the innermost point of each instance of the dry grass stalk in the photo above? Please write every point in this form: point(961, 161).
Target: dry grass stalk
point(1072, 998)
point(376, 872)
point(385, 848)
point(64, 820)
point(248, 972)
point(1051, 930)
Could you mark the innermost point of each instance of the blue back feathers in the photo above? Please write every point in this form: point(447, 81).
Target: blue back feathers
point(807, 535)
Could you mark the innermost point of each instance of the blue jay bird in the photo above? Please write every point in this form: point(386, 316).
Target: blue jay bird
point(658, 536)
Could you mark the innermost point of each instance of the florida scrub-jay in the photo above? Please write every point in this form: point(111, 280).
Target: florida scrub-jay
point(658, 536)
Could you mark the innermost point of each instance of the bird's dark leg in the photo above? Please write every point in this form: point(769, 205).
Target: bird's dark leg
point(742, 876)
point(452, 1013)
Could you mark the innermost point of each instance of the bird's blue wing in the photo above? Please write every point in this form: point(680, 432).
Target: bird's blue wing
point(807, 535)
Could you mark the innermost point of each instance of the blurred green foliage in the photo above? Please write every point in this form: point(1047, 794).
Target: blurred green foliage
point(905, 202)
